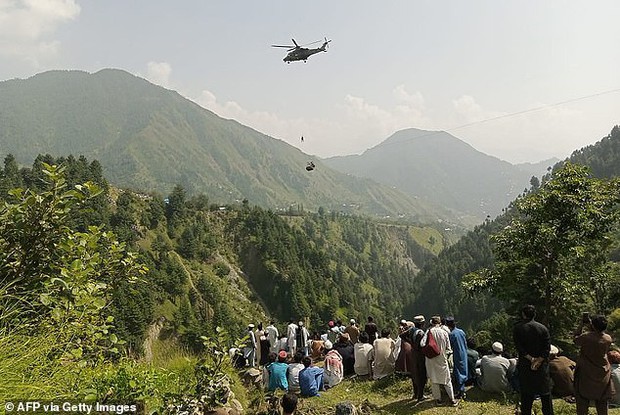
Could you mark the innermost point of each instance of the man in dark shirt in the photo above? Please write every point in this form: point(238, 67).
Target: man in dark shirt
point(533, 343)
point(347, 352)
point(371, 329)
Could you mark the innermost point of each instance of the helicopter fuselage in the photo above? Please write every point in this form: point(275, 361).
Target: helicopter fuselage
point(301, 54)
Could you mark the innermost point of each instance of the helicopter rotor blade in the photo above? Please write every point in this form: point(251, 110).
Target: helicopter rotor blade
point(283, 46)
point(312, 43)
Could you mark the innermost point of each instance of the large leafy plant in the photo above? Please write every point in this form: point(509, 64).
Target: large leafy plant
point(57, 280)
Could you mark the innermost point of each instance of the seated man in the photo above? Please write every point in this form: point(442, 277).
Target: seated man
point(562, 372)
point(495, 370)
point(472, 359)
point(310, 378)
point(363, 355)
point(292, 373)
point(277, 373)
point(334, 371)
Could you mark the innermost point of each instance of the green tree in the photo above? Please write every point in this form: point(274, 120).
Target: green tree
point(57, 280)
point(9, 176)
point(554, 254)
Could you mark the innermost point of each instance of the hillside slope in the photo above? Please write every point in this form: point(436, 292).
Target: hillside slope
point(150, 138)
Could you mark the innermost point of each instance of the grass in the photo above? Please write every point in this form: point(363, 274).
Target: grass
point(392, 395)
point(27, 372)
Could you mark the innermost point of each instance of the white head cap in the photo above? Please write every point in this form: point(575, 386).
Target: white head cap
point(497, 347)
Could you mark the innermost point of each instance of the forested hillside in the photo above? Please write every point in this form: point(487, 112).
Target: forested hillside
point(211, 265)
point(116, 275)
point(442, 277)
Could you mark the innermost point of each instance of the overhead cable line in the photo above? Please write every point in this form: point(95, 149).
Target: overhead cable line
point(512, 114)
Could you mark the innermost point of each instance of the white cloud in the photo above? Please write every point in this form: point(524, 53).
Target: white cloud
point(26, 27)
point(159, 73)
point(469, 111)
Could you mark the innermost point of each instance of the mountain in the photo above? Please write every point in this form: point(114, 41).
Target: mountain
point(149, 138)
point(441, 169)
point(441, 277)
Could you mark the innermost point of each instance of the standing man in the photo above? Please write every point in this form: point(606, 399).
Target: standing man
point(437, 367)
point(301, 339)
point(249, 351)
point(418, 368)
point(371, 329)
point(291, 335)
point(272, 335)
point(533, 343)
point(593, 372)
point(458, 342)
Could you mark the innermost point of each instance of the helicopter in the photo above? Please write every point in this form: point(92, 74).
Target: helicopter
point(299, 53)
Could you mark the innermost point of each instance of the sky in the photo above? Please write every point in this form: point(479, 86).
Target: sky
point(522, 80)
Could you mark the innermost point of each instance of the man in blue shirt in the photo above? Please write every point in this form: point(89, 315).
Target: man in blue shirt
point(310, 378)
point(458, 342)
point(277, 373)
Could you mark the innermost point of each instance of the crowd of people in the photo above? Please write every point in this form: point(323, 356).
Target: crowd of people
point(439, 352)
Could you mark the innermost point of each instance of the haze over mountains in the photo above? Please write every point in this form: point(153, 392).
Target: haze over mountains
point(149, 138)
point(438, 167)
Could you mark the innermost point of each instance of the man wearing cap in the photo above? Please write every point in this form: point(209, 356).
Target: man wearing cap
point(418, 368)
point(277, 373)
point(334, 371)
point(249, 351)
point(562, 372)
point(495, 371)
point(402, 352)
point(458, 342)
point(333, 334)
point(352, 331)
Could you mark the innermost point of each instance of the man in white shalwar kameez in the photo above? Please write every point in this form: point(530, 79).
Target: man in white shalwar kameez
point(272, 335)
point(291, 334)
point(437, 367)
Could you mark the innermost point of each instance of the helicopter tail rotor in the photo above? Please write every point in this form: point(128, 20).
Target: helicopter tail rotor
point(325, 44)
